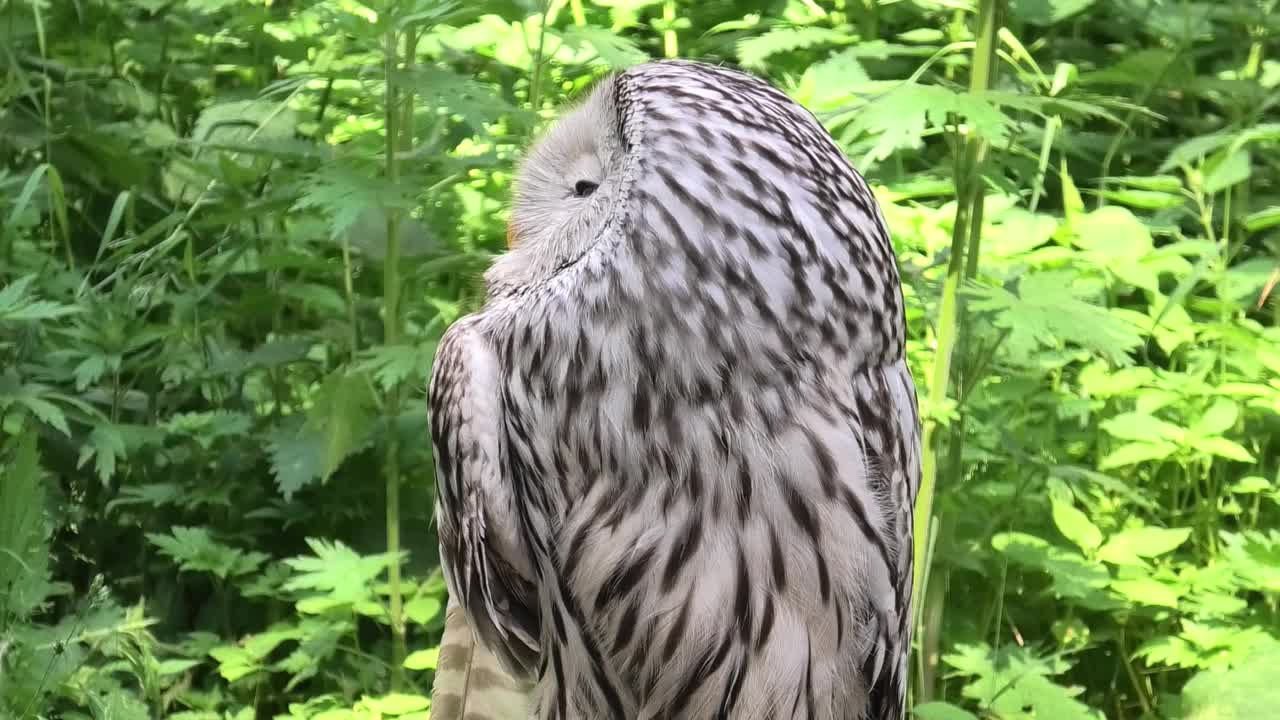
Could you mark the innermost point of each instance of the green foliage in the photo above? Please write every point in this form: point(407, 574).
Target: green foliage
point(232, 232)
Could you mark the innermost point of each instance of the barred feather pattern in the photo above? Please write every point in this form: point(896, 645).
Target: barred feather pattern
point(678, 449)
point(470, 682)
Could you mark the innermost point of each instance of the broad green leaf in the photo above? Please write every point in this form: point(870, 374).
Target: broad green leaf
point(1073, 575)
point(1140, 426)
point(1264, 219)
point(1075, 525)
point(1128, 547)
point(423, 609)
point(1245, 692)
point(423, 659)
point(1147, 591)
point(1250, 485)
point(1047, 12)
point(1137, 452)
point(1144, 199)
point(1221, 447)
point(398, 703)
point(1219, 418)
point(1224, 170)
point(1163, 184)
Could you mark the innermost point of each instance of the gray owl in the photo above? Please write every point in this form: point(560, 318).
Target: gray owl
point(678, 448)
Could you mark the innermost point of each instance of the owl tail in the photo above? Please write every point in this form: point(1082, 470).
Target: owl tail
point(470, 681)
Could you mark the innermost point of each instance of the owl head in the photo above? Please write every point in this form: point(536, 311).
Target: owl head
point(566, 184)
point(680, 185)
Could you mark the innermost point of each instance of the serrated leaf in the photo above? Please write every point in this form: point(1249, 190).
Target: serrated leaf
point(1245, 692)
point(1049, 311)
point(336, 570)
point(297, 456)
point(105, 446)
point(342, 412)
point(345, 192)
point(615, 50)
point(753, 52)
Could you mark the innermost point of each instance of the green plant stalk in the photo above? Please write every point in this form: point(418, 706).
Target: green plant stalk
point(670, 43)
point(968, 223)
point(391, 335)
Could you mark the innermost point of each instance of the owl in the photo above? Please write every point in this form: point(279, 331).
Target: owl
point(678, 448)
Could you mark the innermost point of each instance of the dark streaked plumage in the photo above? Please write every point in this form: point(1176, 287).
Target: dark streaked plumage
point(678, 449)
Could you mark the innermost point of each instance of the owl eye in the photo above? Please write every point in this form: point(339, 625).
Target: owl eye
point(584, 188)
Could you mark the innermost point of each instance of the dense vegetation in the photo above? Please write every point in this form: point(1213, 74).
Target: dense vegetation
point(233, 231)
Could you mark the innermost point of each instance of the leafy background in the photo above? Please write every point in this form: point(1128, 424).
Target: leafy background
point(233, 231)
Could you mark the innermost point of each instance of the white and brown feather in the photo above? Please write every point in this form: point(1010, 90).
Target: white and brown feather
point(679, 446)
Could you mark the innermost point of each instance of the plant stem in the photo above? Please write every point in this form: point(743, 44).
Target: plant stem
point(965, 237)
point(670, 43)
point(391, 336)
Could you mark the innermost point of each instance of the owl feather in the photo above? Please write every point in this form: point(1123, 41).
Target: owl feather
point(678, 448)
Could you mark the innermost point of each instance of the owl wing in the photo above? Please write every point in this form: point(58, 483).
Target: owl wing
point(485, 560)
point(889, 394)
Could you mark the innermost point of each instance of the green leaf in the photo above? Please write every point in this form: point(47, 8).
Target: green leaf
point(1137, 452)
point(398, 703)
point(1144, 199)
point(195, 550)
point(615, 50)
point(297, 456)
point(1221, 447)
point(1245, 692)
point(1047, 12)
point(1141, 426)
point(1163, 184)
point(423, 659)
point(345, 192)
point(753, 52)
point(1219, 418)
point(23, 554)
point(1075, 525)
point(106, 446)
point(1147, 591)
point(336, 570)
point(1073, 575)
point(1227, 169)
point(1049, 311)
point(898, 118)
point(1013, 683)
point(423, 609)
point(1264, 219)
point(342, 412)
point(1127, 547)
